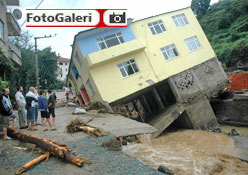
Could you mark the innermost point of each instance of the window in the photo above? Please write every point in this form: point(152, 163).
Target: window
point(66, 64)
point(110, 40)
point(156, 27)
point(60, 63)
point(66, 69)
point(1, 29)
point(192, 43)
point(180, 20)
point(169, 52)
point(78, 59)
point(128, 68)
point(90, 88)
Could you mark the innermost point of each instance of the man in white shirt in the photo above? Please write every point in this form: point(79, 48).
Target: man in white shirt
point(31, 100)
point(21, 102)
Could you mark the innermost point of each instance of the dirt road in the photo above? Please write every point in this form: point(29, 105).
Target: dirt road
point(13, 154)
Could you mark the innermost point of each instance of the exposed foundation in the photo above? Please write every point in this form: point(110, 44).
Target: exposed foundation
point(182, 97)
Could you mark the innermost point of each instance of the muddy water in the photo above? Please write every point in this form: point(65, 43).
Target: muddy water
point(190, 152)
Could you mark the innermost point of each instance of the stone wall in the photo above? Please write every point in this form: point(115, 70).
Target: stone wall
point(202, 80)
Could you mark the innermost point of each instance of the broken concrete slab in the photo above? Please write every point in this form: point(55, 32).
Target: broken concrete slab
point(118, 125)
point(164, 119)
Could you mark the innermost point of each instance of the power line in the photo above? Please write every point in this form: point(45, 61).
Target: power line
point(35, 8)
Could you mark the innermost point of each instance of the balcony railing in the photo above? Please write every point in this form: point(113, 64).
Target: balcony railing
point(115, 52)
point(14, 53)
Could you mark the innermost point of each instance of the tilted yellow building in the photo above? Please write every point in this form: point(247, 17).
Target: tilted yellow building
point(154, 64)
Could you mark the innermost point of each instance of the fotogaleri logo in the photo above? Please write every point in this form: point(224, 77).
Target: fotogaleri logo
point(76, 18)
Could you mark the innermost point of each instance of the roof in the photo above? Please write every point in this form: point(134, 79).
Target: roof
point(66, 60)
point(95, 30)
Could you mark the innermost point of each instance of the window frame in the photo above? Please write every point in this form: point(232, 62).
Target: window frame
point(102, 40)
point(165, 52)
point(178, 19)
point(195, 41)
point(78, 59)
point(92, 91)
point(124, 66)
point(152, 26)
point(1, 30)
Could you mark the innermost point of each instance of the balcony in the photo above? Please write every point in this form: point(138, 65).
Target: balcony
point(115, 52)
point(13, 26)
point(14, 53)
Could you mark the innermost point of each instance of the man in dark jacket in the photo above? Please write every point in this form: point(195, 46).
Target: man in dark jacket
point(51, 105)
point(6, 113)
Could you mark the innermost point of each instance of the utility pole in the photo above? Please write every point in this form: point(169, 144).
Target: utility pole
point(36, 59)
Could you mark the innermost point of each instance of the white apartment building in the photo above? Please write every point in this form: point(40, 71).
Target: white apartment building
point(63, 66)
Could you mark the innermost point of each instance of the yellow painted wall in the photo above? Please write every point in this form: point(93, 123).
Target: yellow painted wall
point(113, 86)
point(107, 80)
point(173, 35)
point(84, 74)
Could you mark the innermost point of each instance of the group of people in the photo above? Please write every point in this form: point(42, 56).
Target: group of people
point(27, 110)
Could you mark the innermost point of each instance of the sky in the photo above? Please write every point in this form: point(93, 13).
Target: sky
point(61, 43)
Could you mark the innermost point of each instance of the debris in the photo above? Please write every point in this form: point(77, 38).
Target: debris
point(112, 144)
point(95, 105)
point(234, 133)
point(165, 170)
point(211, 129)
point(77, 125)
point(33, 162)
point(71, 104)
point(62, 152)
point(79, 111)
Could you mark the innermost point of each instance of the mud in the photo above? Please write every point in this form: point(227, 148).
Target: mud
point(191, 152)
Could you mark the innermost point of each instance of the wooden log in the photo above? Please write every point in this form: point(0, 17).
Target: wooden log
point(62, 152)
point(33, 162)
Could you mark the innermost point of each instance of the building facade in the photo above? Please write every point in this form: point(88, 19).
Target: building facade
point(63, 67)
point(9, 27)
point(156, 63)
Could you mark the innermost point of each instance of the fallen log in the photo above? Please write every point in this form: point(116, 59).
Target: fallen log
point(76, 126)
point(33, 162)
point(62, 152)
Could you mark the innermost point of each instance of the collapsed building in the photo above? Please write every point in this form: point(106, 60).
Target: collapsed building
point(161, 67)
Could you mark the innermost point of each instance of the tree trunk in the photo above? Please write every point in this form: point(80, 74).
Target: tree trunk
point(33, 162)
point(61, 151)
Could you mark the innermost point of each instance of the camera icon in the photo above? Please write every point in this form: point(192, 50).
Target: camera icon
point(117, 18)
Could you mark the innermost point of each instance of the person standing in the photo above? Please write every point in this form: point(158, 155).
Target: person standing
point(21, 102)
point(31, 100)
point(51, 105)
point(6, 113)
point(36, 110)
point(42, 107)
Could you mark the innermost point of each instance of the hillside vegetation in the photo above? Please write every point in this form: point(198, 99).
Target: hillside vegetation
point(226, 26)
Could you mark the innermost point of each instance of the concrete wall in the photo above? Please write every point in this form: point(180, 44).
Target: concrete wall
point(201, 114)
point(205, 79)
point(4, 40)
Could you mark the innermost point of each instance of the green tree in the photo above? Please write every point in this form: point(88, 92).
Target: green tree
point(200, 7)
point(48, 68)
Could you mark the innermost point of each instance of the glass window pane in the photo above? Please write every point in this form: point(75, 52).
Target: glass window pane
point(119, 65)
point(132, 61)
point(175, 52)
point(165, 56)
point(99, 39)
point(102, 45)
point(118, 34)
point(121, 39)
point(155, 23)
point(123, 73)
point(153, 31)
point(135, 68)
point(112, 42)
point(129, 70)
point(158, 29)
point(162, 27)
point(109, 36)
point(149, 24)
point(1, 29)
